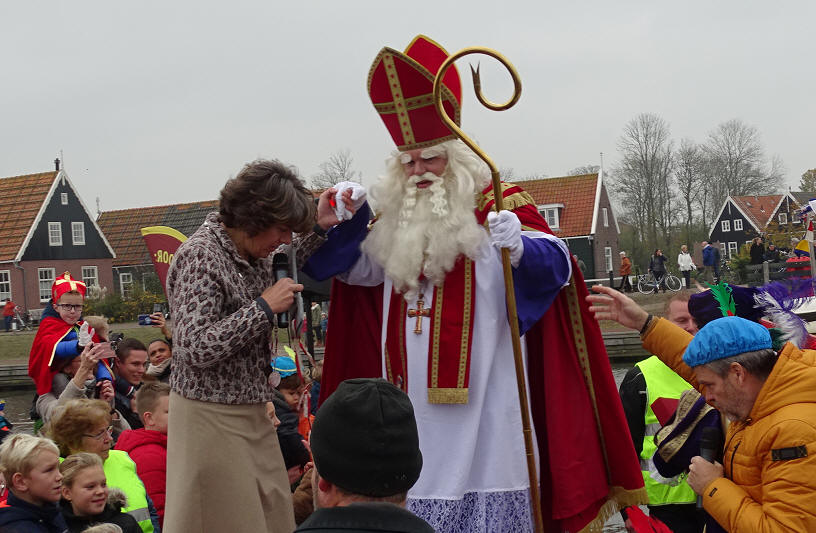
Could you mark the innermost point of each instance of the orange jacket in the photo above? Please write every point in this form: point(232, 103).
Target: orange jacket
point(626, 266)
point(770, 459)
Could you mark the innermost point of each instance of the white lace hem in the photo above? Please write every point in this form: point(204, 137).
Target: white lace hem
point(477, 512)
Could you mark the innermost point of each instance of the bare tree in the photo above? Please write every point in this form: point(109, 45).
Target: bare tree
point(507, 173)
point(337, 168)
point(808, 181)
point(644, 178)
point(688, 173)
point(586, 169)
point(738, 162)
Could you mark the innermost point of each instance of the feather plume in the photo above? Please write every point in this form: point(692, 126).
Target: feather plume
point(777, 300)
point(722, 294)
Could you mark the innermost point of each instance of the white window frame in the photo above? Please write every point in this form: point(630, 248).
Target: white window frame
point(605, 217)
point(732, 249)
point(783, 218)
point(737, 224)
point(78, 233)
point(725, 225)
point(5, 286)
point(64, 198)
point(90, 275)
point(551, 214)
point(608, 258)
point(125, 279)
point(722, 250)
point(54, 234)
point(45, 279)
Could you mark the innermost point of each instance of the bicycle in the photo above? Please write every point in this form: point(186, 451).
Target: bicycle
point(647, 283)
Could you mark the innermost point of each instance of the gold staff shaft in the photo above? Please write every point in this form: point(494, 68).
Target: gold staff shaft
point(498, 204)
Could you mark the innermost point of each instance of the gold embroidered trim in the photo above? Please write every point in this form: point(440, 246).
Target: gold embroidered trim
point(437, 332)
point(463, 347)
point(447, 395)
point(583, 359)
point(415, 102)
point(513, 201)
point(396, 95)
point(617, 499)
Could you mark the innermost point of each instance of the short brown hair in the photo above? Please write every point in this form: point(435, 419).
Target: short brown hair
point(77, 418)
point(682, 296)
point(127, 345)
point(147, 398)
point(292, 382)
point(264, 194)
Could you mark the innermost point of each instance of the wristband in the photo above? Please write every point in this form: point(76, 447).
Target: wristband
point(646, 324)
point(317, 230)
point(266, 309)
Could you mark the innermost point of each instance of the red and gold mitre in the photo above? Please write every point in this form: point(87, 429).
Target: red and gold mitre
point(401, 88)
point(66, 283)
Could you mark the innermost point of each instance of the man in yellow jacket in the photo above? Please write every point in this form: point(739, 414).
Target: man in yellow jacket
point(767, 481)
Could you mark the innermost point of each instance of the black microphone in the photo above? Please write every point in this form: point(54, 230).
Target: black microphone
point(280, 267)
point(709, 442)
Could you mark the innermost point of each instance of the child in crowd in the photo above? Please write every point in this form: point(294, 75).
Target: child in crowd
point(86, 499)
point(30, 466)
point(62, 335)
point(46, 403)
point(289, 407)
point(316, 375)
point(148, 446)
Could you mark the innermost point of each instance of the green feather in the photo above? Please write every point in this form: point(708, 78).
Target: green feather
point(722, 295)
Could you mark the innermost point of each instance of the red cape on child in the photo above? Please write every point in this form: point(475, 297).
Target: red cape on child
point(51, 331)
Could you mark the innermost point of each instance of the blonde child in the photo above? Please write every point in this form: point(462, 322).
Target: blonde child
point(86, 499)
point(30, 466)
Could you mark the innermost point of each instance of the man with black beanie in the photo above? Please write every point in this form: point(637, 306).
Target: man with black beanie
point(366, 453)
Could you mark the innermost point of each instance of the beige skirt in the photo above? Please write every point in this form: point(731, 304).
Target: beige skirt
point(225, 471)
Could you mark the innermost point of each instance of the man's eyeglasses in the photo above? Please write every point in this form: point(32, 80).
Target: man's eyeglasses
point(101, 435)
point(69, 307)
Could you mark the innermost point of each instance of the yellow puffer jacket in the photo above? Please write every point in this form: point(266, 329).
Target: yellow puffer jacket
point(769, 459)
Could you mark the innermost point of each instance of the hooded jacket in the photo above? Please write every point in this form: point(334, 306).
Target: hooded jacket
point(112, 514)
point(23, 517)
point(769, 459)
point(148, 449)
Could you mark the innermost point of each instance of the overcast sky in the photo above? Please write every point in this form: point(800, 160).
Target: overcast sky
point(160, 102)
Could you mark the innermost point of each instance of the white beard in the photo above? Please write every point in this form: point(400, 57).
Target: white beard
point(424, 231)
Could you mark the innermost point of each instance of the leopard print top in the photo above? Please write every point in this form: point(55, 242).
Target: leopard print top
point(221, 334)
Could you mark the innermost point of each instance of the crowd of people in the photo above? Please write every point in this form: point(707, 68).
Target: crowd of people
point(413, 424)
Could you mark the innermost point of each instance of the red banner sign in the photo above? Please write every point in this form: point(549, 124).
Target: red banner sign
point(162, 243)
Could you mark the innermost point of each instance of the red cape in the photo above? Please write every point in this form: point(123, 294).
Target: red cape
point(50, 332)
point(589, 469)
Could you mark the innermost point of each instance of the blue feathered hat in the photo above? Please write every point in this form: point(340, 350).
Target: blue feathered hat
point(284, 365)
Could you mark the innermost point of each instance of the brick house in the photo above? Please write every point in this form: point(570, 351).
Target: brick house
point(578, 210)
point(122, 227)
point(46, 230)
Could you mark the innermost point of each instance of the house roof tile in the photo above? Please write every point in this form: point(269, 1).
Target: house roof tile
point(122, 228)
point(21, 198)
point(577, 193)
point(759, 208)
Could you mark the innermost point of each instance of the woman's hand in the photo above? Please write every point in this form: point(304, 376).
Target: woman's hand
point(610, 304)
point(160, 322)
point(88, 360)
point(281, 295)
point(106, 391)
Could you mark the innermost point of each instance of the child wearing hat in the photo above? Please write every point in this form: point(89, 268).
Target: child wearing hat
point(295, 423)
point(62, 335)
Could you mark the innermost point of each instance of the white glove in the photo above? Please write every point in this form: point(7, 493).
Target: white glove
point(86, 334)
point(358, 197)
point(505, 232)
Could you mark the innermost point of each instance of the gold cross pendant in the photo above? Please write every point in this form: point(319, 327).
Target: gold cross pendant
point(419, 312)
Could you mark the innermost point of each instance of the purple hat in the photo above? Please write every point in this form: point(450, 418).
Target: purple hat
point(679, 440)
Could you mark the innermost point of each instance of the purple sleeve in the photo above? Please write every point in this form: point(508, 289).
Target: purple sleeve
point(542, 272)
point(341, 249)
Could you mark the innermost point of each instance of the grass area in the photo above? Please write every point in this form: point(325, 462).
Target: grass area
point(15, 346)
